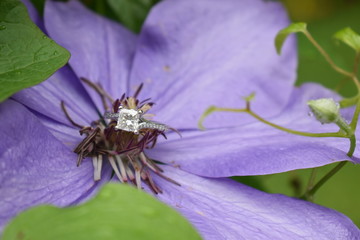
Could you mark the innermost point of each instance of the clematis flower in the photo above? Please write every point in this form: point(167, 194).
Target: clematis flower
point(189, 55)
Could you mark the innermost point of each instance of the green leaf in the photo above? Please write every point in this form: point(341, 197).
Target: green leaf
point(132, 13)
point(284, 33)
point(349, 37)
point(119, 211)
point(27, 56)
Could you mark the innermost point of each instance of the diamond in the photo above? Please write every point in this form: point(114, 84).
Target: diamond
point(128, 120)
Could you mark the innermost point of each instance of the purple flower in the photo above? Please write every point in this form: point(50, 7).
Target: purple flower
point(189, 55)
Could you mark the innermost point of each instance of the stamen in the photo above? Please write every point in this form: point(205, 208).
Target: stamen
point(138, 178)
point(168, 179)
point(153, 186)
point(100, 160)
point(138, 90)
point(131, 102)
point(98, 89)
point(144, 101)
point(115, 168)
point(97, 162)
point(121, 167)
point(68, 116)
point(130, 174)
point(122, 141)
point(144, 160)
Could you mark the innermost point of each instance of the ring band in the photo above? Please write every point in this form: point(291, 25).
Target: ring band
point(109, 115)
point(152, 125)
point(130, 120)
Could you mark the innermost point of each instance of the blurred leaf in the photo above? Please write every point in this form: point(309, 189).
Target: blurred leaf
point(132, 13)
point(27, 56)
point(349, 37)
point(284, 33)
point(119, 211)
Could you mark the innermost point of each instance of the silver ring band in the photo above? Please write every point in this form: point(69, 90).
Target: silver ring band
point(136, 121)
point(109, 115)
point(152, 125)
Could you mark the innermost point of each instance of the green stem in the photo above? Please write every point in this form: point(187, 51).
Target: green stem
point(352, 139)
point(306, 134)
point(355, 118)
point(310, 184)
point(324, 180)
point(326, 56)
point(343, 125)
point(310, 192)
point(212, 109)
point(330, 61)
point(246, 110)
point(348, 102)
point(345, 132)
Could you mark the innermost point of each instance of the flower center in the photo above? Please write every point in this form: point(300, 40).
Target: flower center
point(120, 137)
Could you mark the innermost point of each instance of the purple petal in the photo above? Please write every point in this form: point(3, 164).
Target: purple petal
point(46, 98)
point(35, 167)
point(101, 50)
point(193, 54)
point(224, 209)
point(256, 149)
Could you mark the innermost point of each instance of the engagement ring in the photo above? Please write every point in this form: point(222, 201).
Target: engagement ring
point(131, 120)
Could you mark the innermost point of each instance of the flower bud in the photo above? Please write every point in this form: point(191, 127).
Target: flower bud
point(326, 110)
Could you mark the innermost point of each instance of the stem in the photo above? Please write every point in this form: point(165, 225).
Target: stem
point(326, 56)
point(330, 61)
point(247, 110)
point(212, 109)
point(312, 179)
point(324, 179)
point(348, 102)
point(306, 134)
point(310, 185)
point(355, 70)
point(310, 192)
point(344, 126)
point(355, 118)
point(352, 146)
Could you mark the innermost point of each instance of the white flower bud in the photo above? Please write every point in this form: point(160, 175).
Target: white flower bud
point(326, 110)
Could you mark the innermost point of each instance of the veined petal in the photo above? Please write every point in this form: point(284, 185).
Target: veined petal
point(224, 209)
point(256, 149)
point(45, 98)
point(101, 50)
point(193, 54)
point(35, 167)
